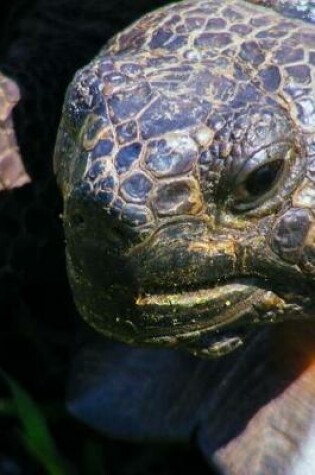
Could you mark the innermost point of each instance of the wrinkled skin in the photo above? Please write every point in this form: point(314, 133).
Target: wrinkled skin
point(186, 158)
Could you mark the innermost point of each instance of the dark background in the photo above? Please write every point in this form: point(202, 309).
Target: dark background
point(42, 43)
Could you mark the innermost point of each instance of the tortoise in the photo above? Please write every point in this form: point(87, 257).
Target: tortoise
point(185, 157)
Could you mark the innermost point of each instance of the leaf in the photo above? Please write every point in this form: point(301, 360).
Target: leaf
point(36, 435)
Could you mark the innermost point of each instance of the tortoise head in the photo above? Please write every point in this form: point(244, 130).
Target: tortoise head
point(188, 185)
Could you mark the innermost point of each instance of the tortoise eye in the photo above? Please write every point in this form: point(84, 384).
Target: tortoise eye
point(262, 180)
point(256, 184)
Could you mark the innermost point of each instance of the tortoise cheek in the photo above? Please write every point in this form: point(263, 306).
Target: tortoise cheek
point(294, 234)
point(289, 234)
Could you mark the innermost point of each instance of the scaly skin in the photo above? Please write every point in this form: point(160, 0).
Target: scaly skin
point(173, 236)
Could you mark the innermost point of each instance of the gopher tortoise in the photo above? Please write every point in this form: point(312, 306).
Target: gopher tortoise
point(185, 156)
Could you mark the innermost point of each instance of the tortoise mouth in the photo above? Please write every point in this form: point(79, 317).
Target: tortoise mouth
point(172, 318)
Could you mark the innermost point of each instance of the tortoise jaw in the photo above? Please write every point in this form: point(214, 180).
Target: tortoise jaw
point(182, 319)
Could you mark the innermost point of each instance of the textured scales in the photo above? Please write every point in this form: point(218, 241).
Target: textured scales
point(159, 133)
